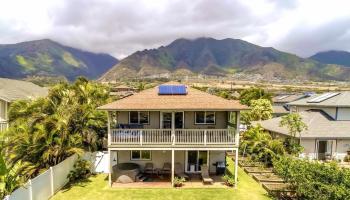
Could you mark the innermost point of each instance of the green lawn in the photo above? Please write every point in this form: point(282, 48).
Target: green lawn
point(96, 188)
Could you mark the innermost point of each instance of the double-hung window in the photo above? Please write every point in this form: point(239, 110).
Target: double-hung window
point(204, 117)
point(140, 155)
point(138, 117)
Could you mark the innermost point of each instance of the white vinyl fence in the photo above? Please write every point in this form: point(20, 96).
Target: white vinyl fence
point(51, 181)
point(46, 184)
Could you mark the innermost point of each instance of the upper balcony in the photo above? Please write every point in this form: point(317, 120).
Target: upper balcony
point(173, 138)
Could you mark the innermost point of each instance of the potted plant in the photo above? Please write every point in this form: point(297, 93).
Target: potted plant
point(229, 180)
point(179, 181)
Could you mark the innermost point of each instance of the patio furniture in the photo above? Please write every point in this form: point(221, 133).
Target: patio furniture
point(179, 171)
point(205, 175)
point(125, 172)
point(166, 168)
point(149, 169)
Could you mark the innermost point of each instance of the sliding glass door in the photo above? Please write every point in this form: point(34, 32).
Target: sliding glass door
point(195, 159)
point(167, 117)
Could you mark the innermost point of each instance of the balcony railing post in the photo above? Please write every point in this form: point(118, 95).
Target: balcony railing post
point(109, 128)
point(173, 137)
point(141, 138)
point(237, 129)
point(205, 137)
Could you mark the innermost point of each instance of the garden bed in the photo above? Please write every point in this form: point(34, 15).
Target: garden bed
point(280, 190)
point(268, 177)
point(277, 187)
point(258, 170)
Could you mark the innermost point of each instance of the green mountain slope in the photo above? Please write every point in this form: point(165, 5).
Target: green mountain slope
point(222, 57)
point(49, 58)
point(333, 57)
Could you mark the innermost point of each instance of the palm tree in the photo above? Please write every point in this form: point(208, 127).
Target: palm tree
point(44, 132)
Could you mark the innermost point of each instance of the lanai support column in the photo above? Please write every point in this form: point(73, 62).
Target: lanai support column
point(110, 167)
point(109, 151)
point(236, 167)
point(172, 167)
point(237, 145)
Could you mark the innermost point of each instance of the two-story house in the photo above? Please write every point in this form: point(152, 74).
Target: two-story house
point(280, 105)
point(170, 128)
point(12, 90)
point(328, 119)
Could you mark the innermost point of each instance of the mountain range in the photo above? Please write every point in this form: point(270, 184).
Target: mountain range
point(49, 58)
point(181, 57)
point(222, 57)
point(333, 57)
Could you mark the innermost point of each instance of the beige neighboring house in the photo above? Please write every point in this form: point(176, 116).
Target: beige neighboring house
point(280, 103)
point(170, 132)
point(122, 91)
point(328, 119)
point(12, 90)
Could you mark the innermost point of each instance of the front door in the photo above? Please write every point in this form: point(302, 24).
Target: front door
point(325, 149)
point(195, 159)
point(167, 117)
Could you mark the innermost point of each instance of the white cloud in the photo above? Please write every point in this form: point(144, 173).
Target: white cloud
point(122, 27)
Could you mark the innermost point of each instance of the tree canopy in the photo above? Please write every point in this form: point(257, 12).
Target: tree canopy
point(254, 93)
point(294, 123)
point(261, 109)
point(45, 131)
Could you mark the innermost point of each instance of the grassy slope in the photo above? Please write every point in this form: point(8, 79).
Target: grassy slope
point(96, 188)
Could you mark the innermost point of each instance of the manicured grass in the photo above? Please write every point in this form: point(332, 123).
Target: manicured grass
point(96, 188)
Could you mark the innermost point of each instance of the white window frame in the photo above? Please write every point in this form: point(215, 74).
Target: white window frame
point(141, 159)
point(138, 117)
point(205, 117)
point(186, 160)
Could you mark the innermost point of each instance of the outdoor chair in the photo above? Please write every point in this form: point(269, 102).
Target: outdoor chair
point(166, 168)
point(205, 174)
point(179, 171)
point(149, 169)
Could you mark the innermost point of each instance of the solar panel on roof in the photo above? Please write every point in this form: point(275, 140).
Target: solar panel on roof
point(323, 97)
point(172, 90)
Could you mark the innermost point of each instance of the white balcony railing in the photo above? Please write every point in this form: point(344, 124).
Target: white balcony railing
point(3, 125)
point(169, 137)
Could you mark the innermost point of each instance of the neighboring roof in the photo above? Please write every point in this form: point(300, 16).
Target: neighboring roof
point(319, 124)
point(280, 109)
point(340, 100)
point(123, 87)
point(286, 98)
point(11, 90)
point(194, 100)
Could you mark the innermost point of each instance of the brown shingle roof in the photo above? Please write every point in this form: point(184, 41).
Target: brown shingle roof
point(194, 100)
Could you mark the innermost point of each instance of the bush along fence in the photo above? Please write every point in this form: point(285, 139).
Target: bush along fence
point(52, 180)
point(46, 184)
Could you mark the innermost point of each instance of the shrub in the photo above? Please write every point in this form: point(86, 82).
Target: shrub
point(229, 180)
point(82, 170)
point(347, 158)
point(314, 180)
point(178, 181)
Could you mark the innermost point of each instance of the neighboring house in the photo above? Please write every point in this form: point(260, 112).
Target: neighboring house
point(328, 119)
point(12, 90)
point(280, 103)
point(122, 91)
point(158, 128)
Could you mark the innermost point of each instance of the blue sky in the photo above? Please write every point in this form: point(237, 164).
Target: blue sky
point(121, 27)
